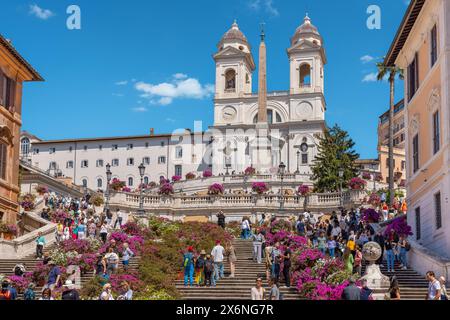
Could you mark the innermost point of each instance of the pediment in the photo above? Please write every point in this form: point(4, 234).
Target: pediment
point(230, 51)
point(304, 44)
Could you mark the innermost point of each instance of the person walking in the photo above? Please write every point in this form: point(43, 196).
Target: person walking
point(404, 247)
point(258, 292)
point(268, 262)
point(434, 287)
point(276, 262)
point(217, 254)
point(444, 294)
point(104, 231)
point(390, 258)
point(231, 254)
point(119, 219)
point(199, 268)
point(322, 243)
point(245, 228)
point(40, 242)
point(274, 293)
point(221, 219)
point(188, 266)
point(208, 271)
point(358, 261)
point(287, 266)
point(54, 276)
point(258, 240)
point(331, 245)
point(112, 261)
point(348, 260)
point(126, 256)
point(351, 292)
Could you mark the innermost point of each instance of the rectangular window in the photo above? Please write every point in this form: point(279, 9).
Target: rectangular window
point(146, 161)
point(84, 164)
point(100, 147)
point(162, 144)
point(3, 160)
point(52, 166)
point(178, 170)
point(35, 151)
point(179, 152)
point(415, 149)
point(129, 146)
point(9, 93)
point(99, 163)
point(52, 150)
point(146, 144)
point(85, 148)
point(162, 160)
point(413, 77)
point(69, 165)
point(130, 162)
point(70, 149)
point(434, 46)
point(437, 208)
point(115, 147)
point(115, 162)
point(418, 225)
point(304, 158)
point(436, 132)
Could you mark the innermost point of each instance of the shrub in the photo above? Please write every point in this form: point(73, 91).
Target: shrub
point(259, 187)
point(216, 189)
point(166, 189)
point(207, 174)
point(303, 190)
point(176, 178)
point(250, 171)
point(371, 216)
point(357, 183)
point(190, 176)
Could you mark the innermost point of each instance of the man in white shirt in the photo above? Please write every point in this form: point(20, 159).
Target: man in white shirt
point(217, 254)
point(119, 218)
point(434, 287)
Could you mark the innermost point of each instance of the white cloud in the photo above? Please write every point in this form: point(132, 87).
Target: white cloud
point(170, 120)
point(179, 87)
point(266, 5)
point(117, 94)
point(367, 59)
point(121, 83)
point(371, 77)
point(40, 13)
point(140, 109)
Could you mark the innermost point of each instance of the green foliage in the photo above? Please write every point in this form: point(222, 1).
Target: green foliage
point(150, 293)
point(335, 151)
point(92, 289)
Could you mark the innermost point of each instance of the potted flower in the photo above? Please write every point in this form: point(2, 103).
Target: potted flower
point(190, 176)
point(207, 174)
point(378, 177)
point(303, 190)
point(126, 189)
point(260, 187)
point(400, 226)
point(117, 185)
point(41, 190)
point(366, 176)
point(374, 199)
point(216, 189)
point(166, 189)
point(176, 178)
point(370, 216)
point(97, 200)
point(357, 183)
point(250, 171)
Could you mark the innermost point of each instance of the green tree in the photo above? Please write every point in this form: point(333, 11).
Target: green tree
point(335, 152)
point(391, 72)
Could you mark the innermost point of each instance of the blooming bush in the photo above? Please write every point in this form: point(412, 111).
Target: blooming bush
point(216, 189)
point(303, 190)
point(20, 283)
point(166, 189)
point(378, 177)
point(374, 199)
point(250, 171)
point(77, 245)
point(176, 178)
point(366, 176)
point(400, 226)
point(207, 174)
point(117, 185)
point(27, 202)
point(370, 215)
point(41, 189)
point(357, 183)
point(190, 176)
point(59, 216)
point(126, 189)
point(259, 187)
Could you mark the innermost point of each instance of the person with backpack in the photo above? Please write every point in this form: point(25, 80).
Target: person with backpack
point(188, 266)
point(404, 246)
point(199, 267)
point(29, 293)
point(221, 219)
point(40, 242)
point(208, 271)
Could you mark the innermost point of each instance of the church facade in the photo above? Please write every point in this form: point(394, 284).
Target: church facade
point(261, 130)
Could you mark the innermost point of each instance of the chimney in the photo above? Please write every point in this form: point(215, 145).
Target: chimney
point(152, 131)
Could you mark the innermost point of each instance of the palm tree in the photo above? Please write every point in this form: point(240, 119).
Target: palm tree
point(392, 72)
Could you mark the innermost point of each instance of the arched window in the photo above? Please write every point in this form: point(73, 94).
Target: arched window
point(99, 183)
point(230, 80)
point(25, 146)
point(130, 181)
point(305, 75)
point(145, 180)
point(272, 117)
point(84, 182)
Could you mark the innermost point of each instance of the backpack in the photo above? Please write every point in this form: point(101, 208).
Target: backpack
point(187, 259)
point(208, 266)
point(5, 294)
point(29, 295)
point(200, 263)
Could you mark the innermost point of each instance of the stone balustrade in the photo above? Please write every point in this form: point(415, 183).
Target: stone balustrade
point(232, 202)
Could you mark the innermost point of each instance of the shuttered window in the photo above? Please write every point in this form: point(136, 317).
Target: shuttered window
point(2, 89)
point(437, 208)
point(3, 157)
point(418, 224)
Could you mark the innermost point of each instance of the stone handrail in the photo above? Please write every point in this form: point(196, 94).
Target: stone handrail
point(423, 260)
point(26, 244)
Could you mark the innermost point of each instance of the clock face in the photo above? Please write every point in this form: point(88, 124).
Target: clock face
point(229, 113)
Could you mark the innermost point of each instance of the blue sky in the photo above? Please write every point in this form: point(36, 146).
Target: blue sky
point(92, 74)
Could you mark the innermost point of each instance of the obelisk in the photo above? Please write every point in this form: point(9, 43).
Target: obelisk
point(262, 153)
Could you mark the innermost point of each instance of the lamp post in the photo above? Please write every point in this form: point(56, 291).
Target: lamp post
point(281, 171)
point(141, 211)
point(298, 162)
point(108, 181)
point(341, 176)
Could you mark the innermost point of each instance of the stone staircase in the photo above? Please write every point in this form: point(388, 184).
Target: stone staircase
point(238, 288)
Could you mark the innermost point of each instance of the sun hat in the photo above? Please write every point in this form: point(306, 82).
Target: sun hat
point(68, 284)
point(202, 252)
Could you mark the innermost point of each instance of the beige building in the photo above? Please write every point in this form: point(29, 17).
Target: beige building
point(422, 49)
point(14, 70)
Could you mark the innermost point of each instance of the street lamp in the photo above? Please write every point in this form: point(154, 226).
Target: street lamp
point(341, 176)
point(298, 162)
point(141, 211)
point(108, 181)
point(281, 171)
